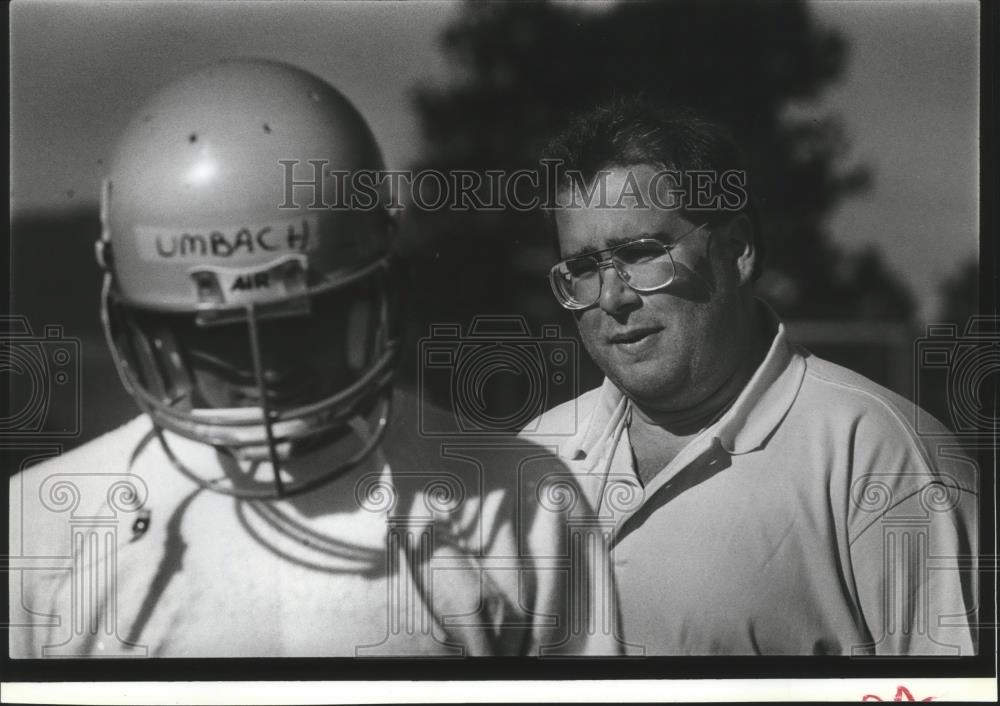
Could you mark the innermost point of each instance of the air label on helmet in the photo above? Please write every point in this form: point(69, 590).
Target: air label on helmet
point(279, 279)
point(198, 245)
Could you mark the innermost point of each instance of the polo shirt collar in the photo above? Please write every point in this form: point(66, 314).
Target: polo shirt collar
point(766, 399)
point(745, 426)
point(607, 415)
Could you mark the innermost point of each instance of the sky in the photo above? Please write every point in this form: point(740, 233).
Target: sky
point(908, 98)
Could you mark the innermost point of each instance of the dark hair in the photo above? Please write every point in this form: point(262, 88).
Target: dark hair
point(635, 130)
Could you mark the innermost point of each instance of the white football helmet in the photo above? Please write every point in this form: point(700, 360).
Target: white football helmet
point(241, 311)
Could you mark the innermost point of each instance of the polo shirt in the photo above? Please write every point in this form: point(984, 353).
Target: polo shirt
point(811, 518)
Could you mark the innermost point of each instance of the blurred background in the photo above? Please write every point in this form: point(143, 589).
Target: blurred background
point(860, 119)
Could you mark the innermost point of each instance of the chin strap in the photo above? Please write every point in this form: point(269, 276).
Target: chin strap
point(370, 435)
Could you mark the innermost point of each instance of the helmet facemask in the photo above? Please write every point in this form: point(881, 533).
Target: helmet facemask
point(263, 383)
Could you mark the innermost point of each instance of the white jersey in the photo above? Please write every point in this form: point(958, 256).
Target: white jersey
point(425, 549)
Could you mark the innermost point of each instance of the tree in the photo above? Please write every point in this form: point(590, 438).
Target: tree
point(523, 68)
point(960, 294)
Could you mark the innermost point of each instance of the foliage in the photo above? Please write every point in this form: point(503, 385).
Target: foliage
point(522, 68)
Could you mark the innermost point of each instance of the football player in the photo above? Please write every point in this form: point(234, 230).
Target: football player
point(274, 498)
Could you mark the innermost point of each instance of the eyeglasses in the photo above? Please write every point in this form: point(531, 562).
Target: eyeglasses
point(645, 265)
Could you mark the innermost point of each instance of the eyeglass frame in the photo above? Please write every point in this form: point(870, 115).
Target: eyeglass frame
point(609, 261)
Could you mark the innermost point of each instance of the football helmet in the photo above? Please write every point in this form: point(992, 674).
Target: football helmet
point(247, 300)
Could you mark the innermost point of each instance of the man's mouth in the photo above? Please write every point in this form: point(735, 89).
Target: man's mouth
point(634, 335)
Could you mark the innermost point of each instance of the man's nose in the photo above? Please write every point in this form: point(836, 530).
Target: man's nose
point(616, 296)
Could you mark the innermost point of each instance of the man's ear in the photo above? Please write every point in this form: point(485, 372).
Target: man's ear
point(739, 236)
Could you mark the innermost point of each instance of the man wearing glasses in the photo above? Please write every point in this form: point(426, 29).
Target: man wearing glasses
point(781, 504)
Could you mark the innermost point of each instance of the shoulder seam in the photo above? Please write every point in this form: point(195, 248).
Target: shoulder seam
point(901, 421)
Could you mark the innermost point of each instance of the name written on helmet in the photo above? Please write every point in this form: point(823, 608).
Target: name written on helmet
point(290, 236)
